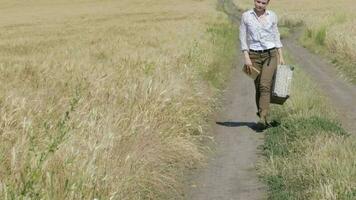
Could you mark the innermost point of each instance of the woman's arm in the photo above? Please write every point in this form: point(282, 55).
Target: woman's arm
point(280, 57)
point(244, 47)
point(243, 34)
point(278, 41)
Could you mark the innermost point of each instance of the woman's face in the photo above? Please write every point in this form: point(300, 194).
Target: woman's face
point(260, 5)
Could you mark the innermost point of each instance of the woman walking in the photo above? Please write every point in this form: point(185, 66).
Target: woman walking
point(262, 49)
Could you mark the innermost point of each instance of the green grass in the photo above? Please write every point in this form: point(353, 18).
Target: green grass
point(223, 36)
point(320, 36)
point(294, 129)
point(286, 27)
point(316, 39)
point(309, 156)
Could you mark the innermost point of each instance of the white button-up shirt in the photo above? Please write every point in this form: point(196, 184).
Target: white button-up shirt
point(259, 33)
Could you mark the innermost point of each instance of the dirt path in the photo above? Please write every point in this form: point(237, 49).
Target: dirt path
point(231, 172)
point(341, 94)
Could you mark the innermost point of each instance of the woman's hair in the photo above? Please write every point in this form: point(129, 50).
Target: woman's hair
point(267, 1)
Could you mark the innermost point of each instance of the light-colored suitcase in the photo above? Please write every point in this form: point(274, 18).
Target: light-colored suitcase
point(281, 84)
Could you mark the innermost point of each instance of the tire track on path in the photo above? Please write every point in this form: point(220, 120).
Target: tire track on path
point(231, 172)
point(341, 93)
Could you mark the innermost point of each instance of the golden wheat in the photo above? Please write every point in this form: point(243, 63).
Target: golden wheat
point(100, 99)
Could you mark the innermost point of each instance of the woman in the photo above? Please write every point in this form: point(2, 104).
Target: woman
point(262, 49)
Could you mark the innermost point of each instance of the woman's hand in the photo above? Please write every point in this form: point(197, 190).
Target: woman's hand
point(280, 57)
point(281, 60)
point(248, 63)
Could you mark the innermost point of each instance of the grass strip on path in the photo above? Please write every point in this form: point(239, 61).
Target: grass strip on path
point(309, 156)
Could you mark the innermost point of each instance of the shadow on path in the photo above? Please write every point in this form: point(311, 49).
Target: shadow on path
point(251, 125)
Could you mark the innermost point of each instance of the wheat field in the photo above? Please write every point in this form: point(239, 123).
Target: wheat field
point(106, 99)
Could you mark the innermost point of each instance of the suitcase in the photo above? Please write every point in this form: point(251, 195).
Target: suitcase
point(281, 84)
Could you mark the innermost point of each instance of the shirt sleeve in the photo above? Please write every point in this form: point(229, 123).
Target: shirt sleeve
point(243, 34)
point(276, 33)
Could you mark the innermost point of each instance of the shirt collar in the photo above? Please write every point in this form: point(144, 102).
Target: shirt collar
point(252, 11)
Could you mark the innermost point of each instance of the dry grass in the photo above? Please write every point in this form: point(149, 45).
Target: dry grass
point(103, 99)
point(309, 156)
point(329, 25)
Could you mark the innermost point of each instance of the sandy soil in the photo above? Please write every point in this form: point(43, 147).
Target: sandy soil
point(231, 172)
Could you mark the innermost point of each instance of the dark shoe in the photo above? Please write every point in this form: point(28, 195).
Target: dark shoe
point(268, 124)
point(258, 114)
point(261, 125)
